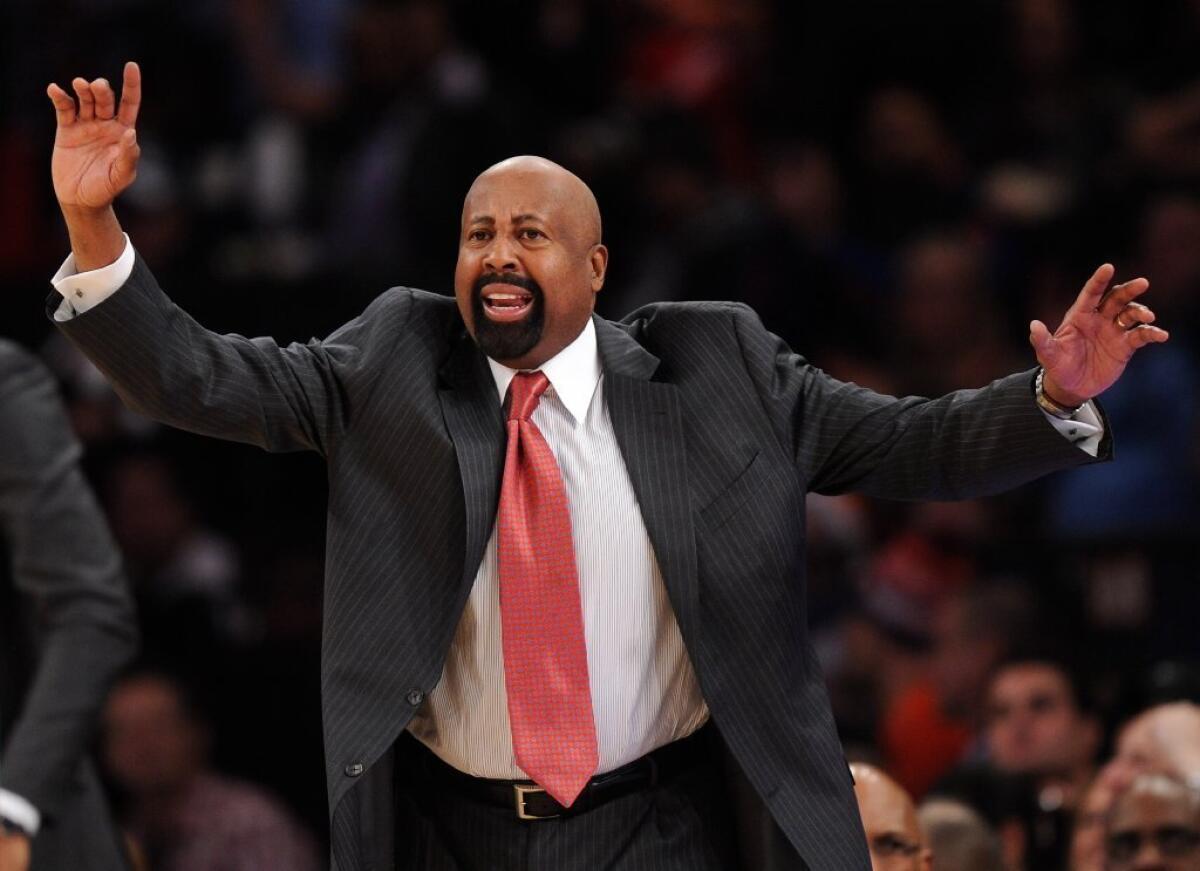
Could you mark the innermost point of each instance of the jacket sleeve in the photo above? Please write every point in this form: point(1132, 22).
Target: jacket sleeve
point(964, 445)
point(64, 561)
point(165, 365)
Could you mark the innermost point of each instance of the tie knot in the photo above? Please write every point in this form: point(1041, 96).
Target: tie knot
point(524, 393)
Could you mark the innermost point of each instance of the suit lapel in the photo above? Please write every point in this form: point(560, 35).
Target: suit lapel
point(476, 423)
point(648, 421)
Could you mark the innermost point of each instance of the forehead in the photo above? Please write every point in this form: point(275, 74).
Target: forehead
point(1021, 680)
point(885, 809)
point(505, 196)
point(1150, 809)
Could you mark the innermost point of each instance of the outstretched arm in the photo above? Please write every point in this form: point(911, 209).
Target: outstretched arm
point(160, 360)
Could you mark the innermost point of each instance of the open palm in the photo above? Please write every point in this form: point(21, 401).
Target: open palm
point(1097, 338)
point(95, 145)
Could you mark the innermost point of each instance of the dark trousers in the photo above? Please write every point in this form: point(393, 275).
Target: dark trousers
point(682, 824)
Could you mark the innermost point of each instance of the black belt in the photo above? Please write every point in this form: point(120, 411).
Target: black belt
point(530, 802)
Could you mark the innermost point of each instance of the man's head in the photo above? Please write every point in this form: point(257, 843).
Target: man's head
point(530, 260)
point(1164, 739)
point(153, 740)
point(1154, 825)
point(890, 821)
point(959, 838)
point(1037, 723)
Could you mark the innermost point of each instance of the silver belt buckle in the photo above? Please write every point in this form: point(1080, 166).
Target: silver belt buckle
point(519, 793)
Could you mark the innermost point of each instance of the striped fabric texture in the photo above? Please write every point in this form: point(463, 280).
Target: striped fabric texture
point(722, 430)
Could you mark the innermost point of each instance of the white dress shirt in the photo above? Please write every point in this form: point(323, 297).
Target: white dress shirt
point(644, 689)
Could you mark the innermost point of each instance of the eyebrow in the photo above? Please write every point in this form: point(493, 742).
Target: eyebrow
point(517, 219)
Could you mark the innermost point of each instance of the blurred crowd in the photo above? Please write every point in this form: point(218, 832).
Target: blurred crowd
point(897, 189)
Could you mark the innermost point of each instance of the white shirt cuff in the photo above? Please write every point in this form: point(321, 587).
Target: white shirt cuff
point(19, 811)
point(84, 290)
point(1084, 430)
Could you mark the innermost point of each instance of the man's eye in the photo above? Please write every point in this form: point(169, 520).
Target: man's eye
point(477, 235)
point(531, 233)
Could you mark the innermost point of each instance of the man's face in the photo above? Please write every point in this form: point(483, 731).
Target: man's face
point(1033, 723)
point(529, 263)
point(1154, 829)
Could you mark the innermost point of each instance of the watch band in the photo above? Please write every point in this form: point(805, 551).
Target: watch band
point(1048, 405)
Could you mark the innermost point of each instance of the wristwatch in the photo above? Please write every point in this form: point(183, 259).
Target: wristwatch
point(1048, 405)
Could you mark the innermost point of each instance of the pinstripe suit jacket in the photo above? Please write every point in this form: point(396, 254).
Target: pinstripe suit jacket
point(66, 622)
point(723, 430)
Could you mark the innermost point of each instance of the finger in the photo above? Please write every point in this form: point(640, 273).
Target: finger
point(125, 166)
point(1139, 337)
point(1093, 289)
point(1042, 341)
point(131, 95)
point(87, 102)
point(64, 105)
point(106, 100)
point(1122, 294)
point(1134, 314)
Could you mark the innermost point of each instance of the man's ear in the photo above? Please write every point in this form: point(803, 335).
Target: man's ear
point(598, 260)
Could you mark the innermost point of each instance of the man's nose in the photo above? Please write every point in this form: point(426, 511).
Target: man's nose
point(500, 256)
point(1149, 858)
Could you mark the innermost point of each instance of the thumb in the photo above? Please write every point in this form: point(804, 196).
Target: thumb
point(1043, 342)
point(127, 157)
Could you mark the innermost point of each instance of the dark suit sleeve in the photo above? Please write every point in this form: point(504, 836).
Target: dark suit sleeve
point(165, 365)
point(966, 444)
point(64, 560)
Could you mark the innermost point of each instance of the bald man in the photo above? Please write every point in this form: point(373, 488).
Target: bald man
point(565, 565)
point(1154, 825)
point(894, 837)
point(1164, 739)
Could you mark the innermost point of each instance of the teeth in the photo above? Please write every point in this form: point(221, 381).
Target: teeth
point(505, 297)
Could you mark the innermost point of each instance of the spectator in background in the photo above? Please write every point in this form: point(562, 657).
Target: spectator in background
point(959, 838)
point(1040, 724)
point(186, 576)
point(894, 838)
point(182, 814)
point(1154, 825)
point(1162, 740)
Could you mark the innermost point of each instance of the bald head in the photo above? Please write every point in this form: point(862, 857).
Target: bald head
point(568, 193)
point(1164, 739)
point(530, 260)
point(890, 820)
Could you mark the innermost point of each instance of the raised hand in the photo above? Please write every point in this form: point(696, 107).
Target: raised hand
point(1100, 333)
point(95, 146)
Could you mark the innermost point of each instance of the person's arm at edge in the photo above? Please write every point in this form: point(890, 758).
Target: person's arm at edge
point(63, 556)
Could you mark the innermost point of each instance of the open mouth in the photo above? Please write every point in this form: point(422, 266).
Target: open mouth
point(506, 302)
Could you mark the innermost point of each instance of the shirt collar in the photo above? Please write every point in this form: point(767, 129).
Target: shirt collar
point(573, 372)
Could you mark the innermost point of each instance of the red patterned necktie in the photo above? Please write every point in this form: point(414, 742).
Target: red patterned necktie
point(541, 617)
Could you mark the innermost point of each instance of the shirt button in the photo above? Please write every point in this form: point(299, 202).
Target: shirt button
point(354, 770)
point(1072, 431)
point(415, 697)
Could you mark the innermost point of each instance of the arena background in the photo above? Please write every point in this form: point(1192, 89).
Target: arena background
point(897, 188)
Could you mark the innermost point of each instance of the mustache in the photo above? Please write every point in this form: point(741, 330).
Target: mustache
point(506, 278)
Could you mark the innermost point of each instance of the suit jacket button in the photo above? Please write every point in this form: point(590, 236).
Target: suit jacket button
point(415, 697)
point(354, 770)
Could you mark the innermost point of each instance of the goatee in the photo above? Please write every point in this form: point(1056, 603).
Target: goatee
point(507, 341)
